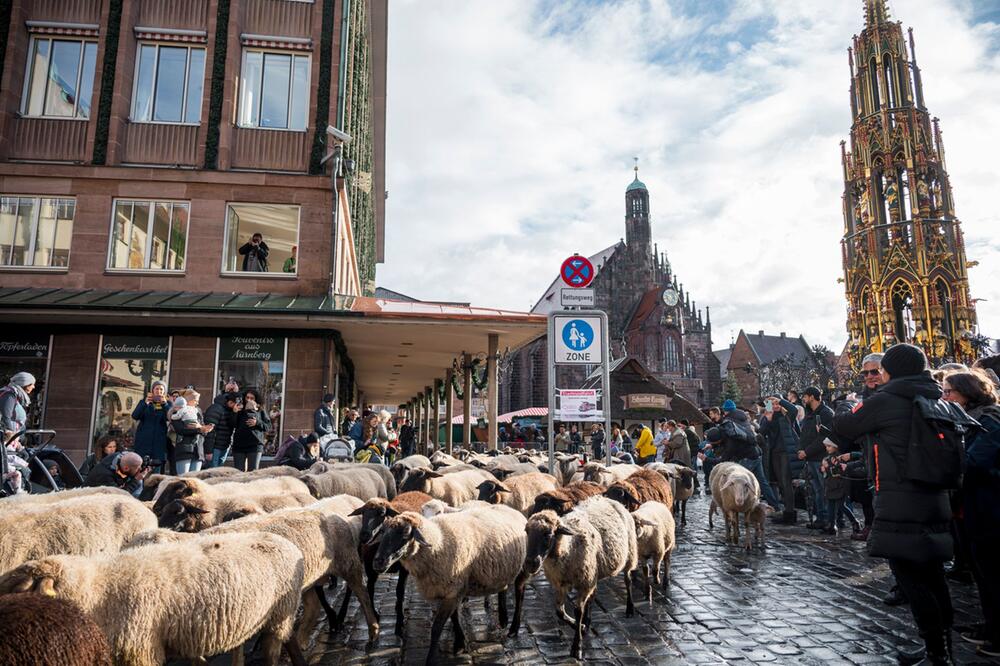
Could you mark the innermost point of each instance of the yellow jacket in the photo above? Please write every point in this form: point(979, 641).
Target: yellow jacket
point(645, 446)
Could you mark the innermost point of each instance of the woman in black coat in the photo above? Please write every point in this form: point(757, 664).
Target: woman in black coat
point(252, 425)
point(911, 526)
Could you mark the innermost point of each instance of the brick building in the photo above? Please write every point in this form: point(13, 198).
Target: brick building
point(650, 317)
point(750, 360)
point(144, 145)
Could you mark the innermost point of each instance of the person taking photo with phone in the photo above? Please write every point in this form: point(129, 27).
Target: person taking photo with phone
point(151, 433)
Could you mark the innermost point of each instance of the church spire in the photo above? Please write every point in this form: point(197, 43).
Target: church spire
point(875, 13)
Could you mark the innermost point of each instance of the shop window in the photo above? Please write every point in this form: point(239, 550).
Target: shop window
point(274, 90)
point(26, 353)
point(261, 238)
point(168, 84)
point(256, 362)
point(148, 235)
point(59, 81)
point(129, 366)
point(35, 231)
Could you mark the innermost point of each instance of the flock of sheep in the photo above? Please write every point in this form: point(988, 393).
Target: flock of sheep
point(203, 563)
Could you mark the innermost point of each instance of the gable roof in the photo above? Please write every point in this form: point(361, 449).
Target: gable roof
point(769, 348)
point(550, 299)
point(723, 355)
point(643, 309)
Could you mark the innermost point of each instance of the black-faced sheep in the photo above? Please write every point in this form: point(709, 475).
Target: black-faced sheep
point(517, 492)
point(641, 487)
point(183, 488)
point(562, 500)
point(453, 489)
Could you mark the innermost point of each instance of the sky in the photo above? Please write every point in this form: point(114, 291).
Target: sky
point(512, 128)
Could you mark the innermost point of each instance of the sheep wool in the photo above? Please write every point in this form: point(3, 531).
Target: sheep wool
point(42, 631)
point(654, 532)
point(562, 500)
point(736, 491)
point(245, 583)
point(642, 486)
point(28, 501)
point(517, 492)
point(361, 481)
point(86, 525)
point(454, 489)
point(600, 473)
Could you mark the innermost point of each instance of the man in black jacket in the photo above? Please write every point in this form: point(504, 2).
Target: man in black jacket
point(222, 414)
point(812, 451)
point(737, 442)
point(911, 526)
point(324, 422)
point(123, 470)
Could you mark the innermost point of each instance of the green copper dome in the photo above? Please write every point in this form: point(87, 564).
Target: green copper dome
point(636, 185)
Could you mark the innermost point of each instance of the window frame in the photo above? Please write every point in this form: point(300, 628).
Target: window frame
point(158, 44)
point(30, 251)
point(291, 81)
point(29, 70)
point(276, 275)
point(108, 268)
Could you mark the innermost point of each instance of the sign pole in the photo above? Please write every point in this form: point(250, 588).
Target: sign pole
point(552, 395)
point(606, 385)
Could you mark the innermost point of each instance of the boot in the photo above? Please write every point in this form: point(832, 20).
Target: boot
point(895, 597)
point(936, 652)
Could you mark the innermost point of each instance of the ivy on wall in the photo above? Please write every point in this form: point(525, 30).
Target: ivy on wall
point(323, 90)
point(6, 7)
point(107, 82)
point(217, 86)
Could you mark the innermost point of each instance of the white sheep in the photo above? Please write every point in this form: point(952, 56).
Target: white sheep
point(454, 489)
point(362, 481)
point(471, 553)
point(654, 532)
point(23, 501)
point(517, 492)
point(84, 525)
point(178, 487)
point(401, 467)
point(191, 505)
point(735, 490)
point(188, 600)
point(598, 472)
point(596, 540)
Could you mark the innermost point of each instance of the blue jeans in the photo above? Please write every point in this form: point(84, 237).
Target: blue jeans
point(819, 498)
point(757, 467)
point(190, 465)
point(218, 457)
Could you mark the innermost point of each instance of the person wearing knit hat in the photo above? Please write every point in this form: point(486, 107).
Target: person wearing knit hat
point(14, 401)
point(728, 406)
point(904, 360)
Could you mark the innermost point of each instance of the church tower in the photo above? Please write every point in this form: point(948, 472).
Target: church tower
point(905, 270)
point(638, 230)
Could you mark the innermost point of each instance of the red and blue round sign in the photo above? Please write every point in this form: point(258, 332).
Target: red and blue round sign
point(577, 271)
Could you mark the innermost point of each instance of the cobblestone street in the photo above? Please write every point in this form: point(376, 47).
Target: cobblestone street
point(804, 600)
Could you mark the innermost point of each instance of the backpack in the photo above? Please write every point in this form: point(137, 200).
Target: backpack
point(279, 455)
point(734, 432)
point(935, 453)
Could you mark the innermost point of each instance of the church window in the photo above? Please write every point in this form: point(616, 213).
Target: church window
point(672, 354)
point(689, 367)
point(904, 180)
point(873, 85)
point(944, 299)
point(902, 307)
point(889, 74)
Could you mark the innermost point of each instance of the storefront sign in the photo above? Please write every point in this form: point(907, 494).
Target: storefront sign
point(579, 405)
point(252, 348)
point(25, 346)
point(134, 347)
point(646, 401)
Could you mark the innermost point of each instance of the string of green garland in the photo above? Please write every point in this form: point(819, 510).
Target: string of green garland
point(323, 91)
point(217, 85)
point(107, 82)
point(6, 7)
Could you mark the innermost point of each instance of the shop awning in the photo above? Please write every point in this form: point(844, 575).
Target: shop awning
point(397, 347)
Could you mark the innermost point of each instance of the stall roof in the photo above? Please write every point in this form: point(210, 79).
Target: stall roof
point(397, 347)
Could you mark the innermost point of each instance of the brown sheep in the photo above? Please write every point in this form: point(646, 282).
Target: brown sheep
point(39, 630)
point(562, 500)
point(643, 486)
point(373, 513)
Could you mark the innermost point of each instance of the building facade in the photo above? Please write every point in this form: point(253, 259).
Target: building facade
point(760, 366)
point(905, 269)
point(651, 317)
point(172, 205)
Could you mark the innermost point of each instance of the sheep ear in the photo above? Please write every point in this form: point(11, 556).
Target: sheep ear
point(360, 511)
point(232, 515)
point(563, 530)
point(433, 475)
point(501, 474)
point(24, 585)
point(501, 488)
point(46, 586)
point(196, 510)
point(390, 512)
point(419, 538)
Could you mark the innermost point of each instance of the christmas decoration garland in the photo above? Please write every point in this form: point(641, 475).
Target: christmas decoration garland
point(107, 82)
point(217, 86)
point(323, 91)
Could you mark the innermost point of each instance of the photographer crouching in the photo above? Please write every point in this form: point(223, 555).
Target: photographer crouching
point(124, 470)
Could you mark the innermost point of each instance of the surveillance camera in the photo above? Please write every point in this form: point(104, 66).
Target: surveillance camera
point(340, 135)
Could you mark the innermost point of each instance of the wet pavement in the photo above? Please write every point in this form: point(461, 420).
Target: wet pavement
point(804, 599)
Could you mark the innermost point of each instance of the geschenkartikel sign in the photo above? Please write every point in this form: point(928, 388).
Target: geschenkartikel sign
point(137, 347)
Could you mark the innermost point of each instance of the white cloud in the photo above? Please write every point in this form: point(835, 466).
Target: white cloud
point(512, 125)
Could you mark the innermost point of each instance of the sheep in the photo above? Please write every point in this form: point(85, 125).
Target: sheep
point(342, 505)
point(735, 491)
point(597, 472)
point(361, 481)
point(442, 459)
point(654, 532)
point(758, 518)
point(517, 469)
point(84, 525)
point(436, 507)
point(40, 631)
point(198, 506)
point(641, 487)
point(388, 480)
point(180, 488)
point(681, 484)
point(215, 472)
point(518, 492)
point(596, 540)
point(401, 467)
point(453, 489)
point(373, 513)
point(562, 500)
point(31, 501)
point(568, 466)
point(201, 597)
point(478, 552)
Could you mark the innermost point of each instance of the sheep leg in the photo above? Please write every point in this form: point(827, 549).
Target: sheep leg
point(456, 626)
point(441, 615)
point(629, 606)
point(666, 570)
point(236, 655)
point(583, 598)
point(684, 512)
point(400, 595)
point(502, 608)
point(711, 512)
point(331, 617)
point(747, 529)
point(519, 584)
point(338, 621)
point(295, 653)
point(310, 611)
point(355, 584)
point(561, 606)
point(649, 586)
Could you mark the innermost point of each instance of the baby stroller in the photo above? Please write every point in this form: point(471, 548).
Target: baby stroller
point(36, 478)
point(334, 447)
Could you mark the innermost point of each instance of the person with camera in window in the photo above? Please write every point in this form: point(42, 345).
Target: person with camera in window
point(255, 254)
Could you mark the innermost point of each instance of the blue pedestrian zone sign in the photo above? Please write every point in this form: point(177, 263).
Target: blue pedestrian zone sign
point(578, 335)
point(578, 339)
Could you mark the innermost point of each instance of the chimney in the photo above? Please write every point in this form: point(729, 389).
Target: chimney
point(782, 334)
point(760, 333)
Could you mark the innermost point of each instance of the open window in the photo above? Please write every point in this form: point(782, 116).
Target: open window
point(35, 232)
point(261, 238)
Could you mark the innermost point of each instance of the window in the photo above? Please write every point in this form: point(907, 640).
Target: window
point(35, 231)
point(26, 352)
point(59, 81)
point(262, 238)
point(129, 366)
point(148, 235)
point(274, 90)
point(673, 357)
point(168, 84)
point(256, 363)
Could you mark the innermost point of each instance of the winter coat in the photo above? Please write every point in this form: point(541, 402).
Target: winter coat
point(835, 484)
point(247, 438)
point(782, 433)
point(645, 446)
point(190, 442)
point(811, 439)
point(693, 442)
point(13, 409)
point(733, 448)
point(911, 521)
point(981, 487)
point(224, 420)
point(677, 447)
point(105, 474)
point(297, 455)
point(323, 421)
point(151, 434)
